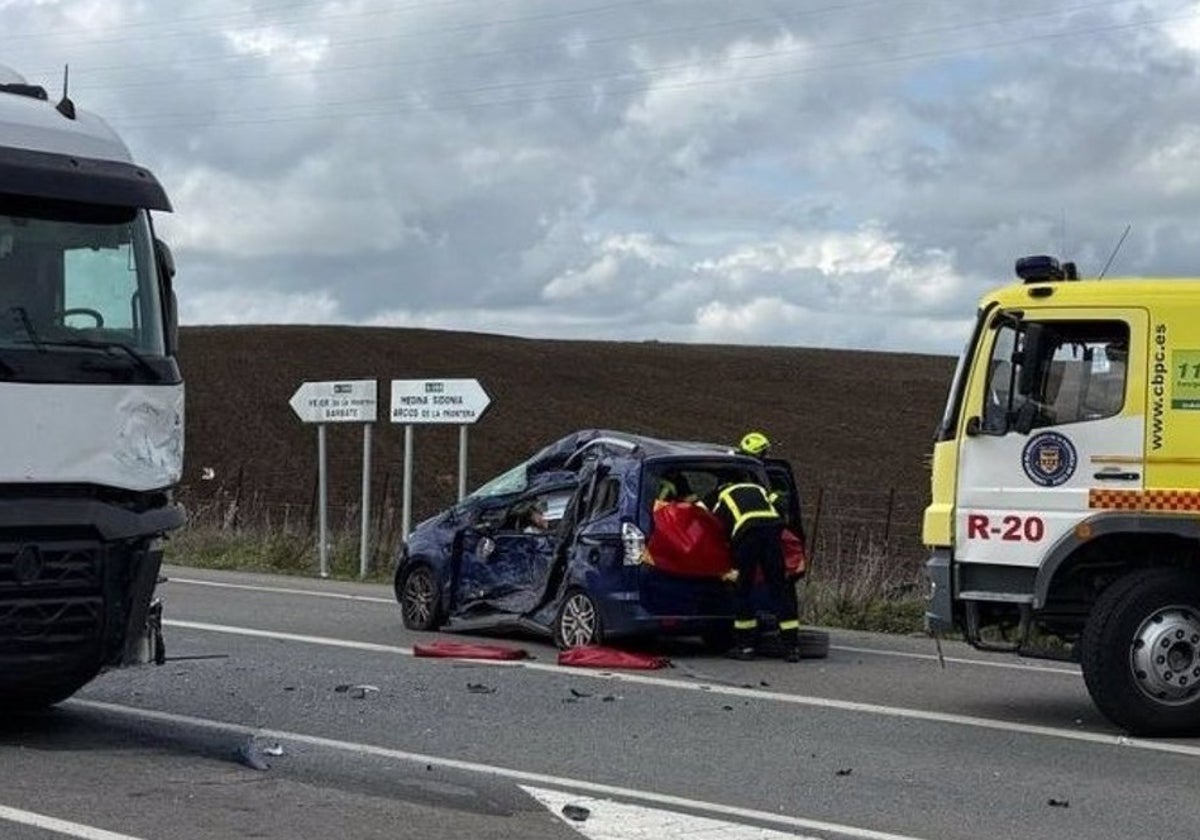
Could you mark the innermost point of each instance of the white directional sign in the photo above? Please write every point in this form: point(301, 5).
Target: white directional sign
point(460, 401)
point(335, 402)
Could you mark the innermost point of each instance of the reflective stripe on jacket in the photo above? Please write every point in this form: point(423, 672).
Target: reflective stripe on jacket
point(740, 504)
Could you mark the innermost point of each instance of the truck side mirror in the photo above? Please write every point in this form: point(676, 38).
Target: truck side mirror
point(166, 260)
point(1026, 416)
point(166, 270)
point(1030, 359)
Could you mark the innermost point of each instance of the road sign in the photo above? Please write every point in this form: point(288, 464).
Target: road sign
point(335, 402)
point(460, 401)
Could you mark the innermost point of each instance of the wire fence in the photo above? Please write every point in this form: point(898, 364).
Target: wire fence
point(854, 535)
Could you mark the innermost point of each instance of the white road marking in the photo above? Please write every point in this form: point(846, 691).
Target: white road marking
point(519, 776)
point(958, 660)
point(733, 691)
point(609, 820)
point(280, 590)
point(372, 599)
point(70, 829)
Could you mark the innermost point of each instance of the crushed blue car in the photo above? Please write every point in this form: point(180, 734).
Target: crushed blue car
point(557, 545)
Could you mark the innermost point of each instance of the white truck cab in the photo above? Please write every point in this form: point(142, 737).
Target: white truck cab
point(91, 399)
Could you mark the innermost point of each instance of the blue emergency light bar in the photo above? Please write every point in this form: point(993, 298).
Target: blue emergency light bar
point(1045, 269)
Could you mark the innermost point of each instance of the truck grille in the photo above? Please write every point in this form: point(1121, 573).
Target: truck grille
point(51, 601)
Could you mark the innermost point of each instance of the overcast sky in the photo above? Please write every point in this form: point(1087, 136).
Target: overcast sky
point(830, 173)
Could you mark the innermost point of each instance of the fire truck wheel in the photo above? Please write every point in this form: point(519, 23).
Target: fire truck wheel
point(1140, 653)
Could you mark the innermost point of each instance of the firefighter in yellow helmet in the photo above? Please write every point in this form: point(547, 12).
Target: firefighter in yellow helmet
point(755, 530)
point(754, 444)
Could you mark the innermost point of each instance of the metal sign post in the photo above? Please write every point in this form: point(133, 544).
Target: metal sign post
point(422, 401)
point(364, 548)
point(322, 506)
point(351, 401)
point(462, 461)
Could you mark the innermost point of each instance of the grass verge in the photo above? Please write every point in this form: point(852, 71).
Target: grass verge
point(854, 585)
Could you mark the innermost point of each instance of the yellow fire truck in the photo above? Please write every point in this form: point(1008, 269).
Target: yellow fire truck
point(1065, 511)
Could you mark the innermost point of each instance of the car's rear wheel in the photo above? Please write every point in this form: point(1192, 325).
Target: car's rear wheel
point(578, 621)
point(420, 599)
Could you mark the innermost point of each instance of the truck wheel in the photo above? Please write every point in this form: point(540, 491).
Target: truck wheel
point(577, 623)
point(1140, 652)
point(40, 694)
point(420, 599)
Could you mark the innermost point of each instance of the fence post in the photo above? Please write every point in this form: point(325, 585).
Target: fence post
point(816, 527)
point(237, 497)
point(887, 525)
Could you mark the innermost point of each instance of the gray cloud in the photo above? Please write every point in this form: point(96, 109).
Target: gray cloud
point(855, 174)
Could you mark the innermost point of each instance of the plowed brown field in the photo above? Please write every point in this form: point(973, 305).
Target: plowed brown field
point(857, 426)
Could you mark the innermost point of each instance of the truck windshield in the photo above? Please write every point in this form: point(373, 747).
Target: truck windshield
point(78, 276)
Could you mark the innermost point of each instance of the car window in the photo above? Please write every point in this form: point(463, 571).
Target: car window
point(555, 503)
point(1081, 374)
point(682, 481)
point(605, 499)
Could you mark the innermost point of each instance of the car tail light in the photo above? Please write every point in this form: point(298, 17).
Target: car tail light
point(635, 543)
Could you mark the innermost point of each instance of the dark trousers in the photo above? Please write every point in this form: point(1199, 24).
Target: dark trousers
point(760, 546)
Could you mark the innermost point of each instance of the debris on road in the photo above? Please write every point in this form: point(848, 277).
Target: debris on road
point(463, 650)
point(1058, 803)
point(845, 771)
point(249, 754)
point(577, 693)
point(576, 813)
point(358, 692)
point(480, 688)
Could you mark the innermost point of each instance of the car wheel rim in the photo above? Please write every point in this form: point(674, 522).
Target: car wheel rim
point(578, 623)
point(1165, 656)
point(418, 598)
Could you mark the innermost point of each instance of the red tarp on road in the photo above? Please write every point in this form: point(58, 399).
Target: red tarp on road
point(603, 657)
point(462, 650)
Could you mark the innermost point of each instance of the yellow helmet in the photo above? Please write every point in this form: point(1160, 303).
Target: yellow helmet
point(755, 443)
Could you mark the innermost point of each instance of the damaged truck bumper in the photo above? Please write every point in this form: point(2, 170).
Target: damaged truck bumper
point(77, 580)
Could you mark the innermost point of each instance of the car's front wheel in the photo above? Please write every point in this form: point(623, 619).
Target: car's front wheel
point(420, 599)
point(578, 621)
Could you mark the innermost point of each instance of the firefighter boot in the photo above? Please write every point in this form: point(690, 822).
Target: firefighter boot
point(743, 645)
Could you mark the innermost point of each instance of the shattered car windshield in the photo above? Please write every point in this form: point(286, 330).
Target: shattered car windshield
point(513, 481)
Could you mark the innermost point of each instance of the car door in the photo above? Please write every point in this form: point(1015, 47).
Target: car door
point(782, 483)
point(1056, 414)
point(503, 566)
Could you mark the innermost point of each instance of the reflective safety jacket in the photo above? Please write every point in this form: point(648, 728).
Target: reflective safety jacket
point(740, 506)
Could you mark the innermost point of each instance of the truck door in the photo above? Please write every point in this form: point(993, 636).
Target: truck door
point(1055, 416)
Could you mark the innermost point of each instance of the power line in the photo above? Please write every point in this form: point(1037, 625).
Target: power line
point(649, 35)
point(457, 28)
point(642, 35)
point(149, 119)
point(255, 13)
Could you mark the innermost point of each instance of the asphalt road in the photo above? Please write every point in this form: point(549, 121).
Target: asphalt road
point(245, 733)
